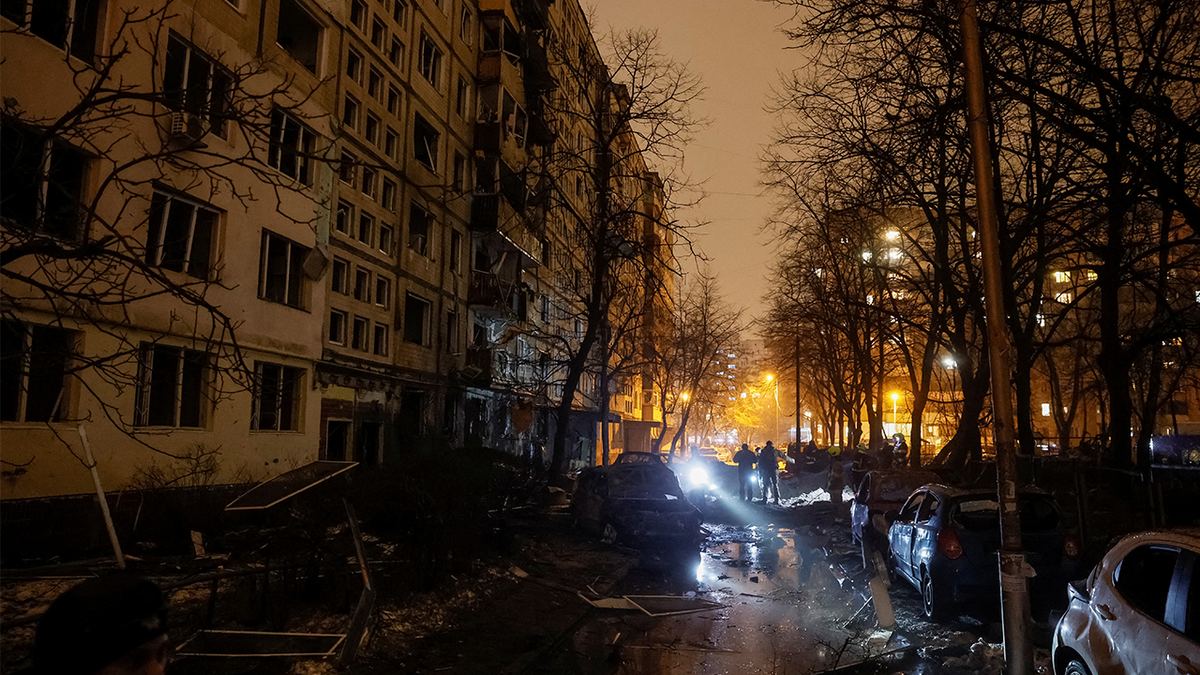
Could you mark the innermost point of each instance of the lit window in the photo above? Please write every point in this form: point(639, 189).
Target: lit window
point(1062, 277)
point(1045, 410)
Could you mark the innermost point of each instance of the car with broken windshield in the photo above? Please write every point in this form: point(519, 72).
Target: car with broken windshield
point(944, 542)
point(877, 493)
point(1137, 612)
point(637, 500)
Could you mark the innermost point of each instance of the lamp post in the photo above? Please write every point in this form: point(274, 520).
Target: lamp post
point(895, 420)
point(775, 396)
point(683, 423)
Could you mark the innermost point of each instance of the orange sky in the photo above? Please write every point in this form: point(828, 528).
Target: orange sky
point(734, 45)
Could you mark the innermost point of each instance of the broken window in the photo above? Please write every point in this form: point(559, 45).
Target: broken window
point(362, 285)
point(181, 235)
point(429, 60)
point(425, 142)
point(299, 34)
point(366, 227)
point(382, 339)
point(462, 96)
point(383, 292)
point(281, 273)
point(345, 216)
point(277, 397)
point(339, 277)
point(171, 386)
point(354, 63)
point(337, 327)
point(359, 338)
point(385, 239)
point(34, 362)
point(416, 319)
point(67, 24)
point(42, 189)
point(419, 221)
point(194, 83)
point(291, 146)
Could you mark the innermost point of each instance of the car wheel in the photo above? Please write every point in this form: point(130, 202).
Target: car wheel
point(608, 535)
point(1076, 668)
point(934, 604)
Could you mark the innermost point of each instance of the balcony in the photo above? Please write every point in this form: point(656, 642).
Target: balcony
point(478, 368)
point(492, 294)
point(535, 14)
point(491, 213)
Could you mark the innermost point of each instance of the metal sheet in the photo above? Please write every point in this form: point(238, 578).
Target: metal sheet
point(287, 485)
point(253, 643)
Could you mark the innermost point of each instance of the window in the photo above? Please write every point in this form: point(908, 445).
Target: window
point(460, 172)
point(400, 12)
point(381, 339)
point(337, 327)
point(354, 66)
point(368, 182)
point(291, 146)
point(465, 25)
point(63, 23)
point(378, 33)
point(416, 316)
point(1144, 579)
point(429, 60)
point(391, 141)
point(425, 142)
point(345, 216)
point(350, 112)
point(1045, 410)
point(375, 84)
point(359, 339)
point(385, 239)
point(396, 53)
point(347, 168)
point(383, 292)
point(452, 332)
point(194, 83)
point(34, 363)
point(419, 221)
point(181, 235)
point(299, 34)
point(171, 387)
point(455, 251)
point(339, 277)
point(387, 198)
point(393, 101)
point(281, 270)
point(545, 309)
point(277, 396)
point(362, 285)
point(366, 227)
point(358, 14)
point(461, 97)
point(42, 184)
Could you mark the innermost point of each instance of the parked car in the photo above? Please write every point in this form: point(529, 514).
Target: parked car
point(1137, 612)
point(638, 501)
point(878, 492)
point(944, 543)
point(1177, 449)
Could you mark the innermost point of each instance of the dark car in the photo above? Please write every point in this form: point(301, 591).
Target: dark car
point(636, 501)
point(878, 492)
point(944, 542)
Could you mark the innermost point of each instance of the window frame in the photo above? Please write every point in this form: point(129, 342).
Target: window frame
point(283, 123)
point(423, 307)
point(162, 206)
point(340, 315)
point(295, 398)
point(294, 295)
point(19, 367)
point(430, 59)
point(419, 234)
point(146, 397)
point(216, 85)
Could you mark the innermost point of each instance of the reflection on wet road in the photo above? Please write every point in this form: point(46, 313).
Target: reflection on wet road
point(782, 613)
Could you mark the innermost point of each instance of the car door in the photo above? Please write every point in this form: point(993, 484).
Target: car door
point(924, 534)
point(1183, 615)
point(860, 517)
point(1129, 606)
point(900, 534)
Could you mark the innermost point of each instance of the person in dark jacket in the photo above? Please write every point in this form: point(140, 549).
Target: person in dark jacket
point(745, 459)
point(768, 471)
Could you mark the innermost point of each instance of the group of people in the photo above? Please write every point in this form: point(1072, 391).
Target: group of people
point(766, 461)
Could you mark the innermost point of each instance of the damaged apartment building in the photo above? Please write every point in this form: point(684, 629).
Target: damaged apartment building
point(311, 229)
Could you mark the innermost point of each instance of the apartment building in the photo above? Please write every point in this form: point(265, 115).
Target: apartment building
point(324, 230)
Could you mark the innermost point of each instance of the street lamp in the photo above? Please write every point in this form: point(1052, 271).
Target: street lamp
point(775, 388)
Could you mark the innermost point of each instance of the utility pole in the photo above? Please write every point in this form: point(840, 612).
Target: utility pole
point(1014, 592)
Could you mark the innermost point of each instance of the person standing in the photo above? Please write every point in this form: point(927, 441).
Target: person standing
point(745, 459)
point(768, 471)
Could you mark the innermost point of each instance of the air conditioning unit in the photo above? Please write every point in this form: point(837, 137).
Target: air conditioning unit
point(471, 372)
point(188, 126)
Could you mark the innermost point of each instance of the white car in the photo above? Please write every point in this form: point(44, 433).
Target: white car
point(1138, 612)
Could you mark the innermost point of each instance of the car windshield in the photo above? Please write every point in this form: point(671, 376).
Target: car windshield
point(898, 488)
point(1038, 513)
point(644, 483)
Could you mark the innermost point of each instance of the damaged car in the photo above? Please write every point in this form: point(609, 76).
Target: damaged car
point(1137, 612)
point(636, 501)
point(878, 492)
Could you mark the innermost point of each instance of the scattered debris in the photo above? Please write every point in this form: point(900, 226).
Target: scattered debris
point(256, 643)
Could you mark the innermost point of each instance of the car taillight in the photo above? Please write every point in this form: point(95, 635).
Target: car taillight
point(949, 544)
point(1071, 545)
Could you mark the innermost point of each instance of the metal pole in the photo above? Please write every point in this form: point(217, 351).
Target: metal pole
point(108, 521)
point(1014, 593)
